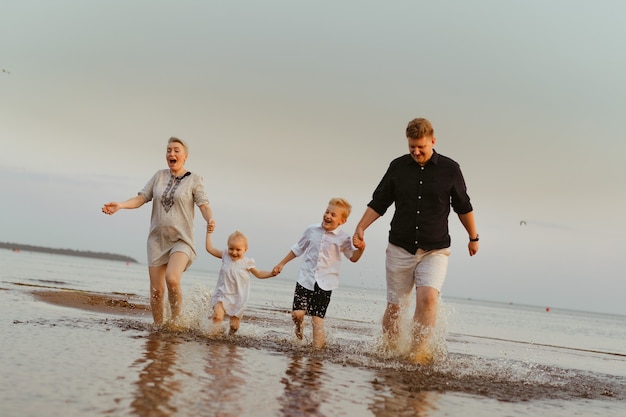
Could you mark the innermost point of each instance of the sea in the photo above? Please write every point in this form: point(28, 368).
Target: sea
point(492, 359)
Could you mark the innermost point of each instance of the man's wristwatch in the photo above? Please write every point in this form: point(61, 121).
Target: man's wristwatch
point(474, 239)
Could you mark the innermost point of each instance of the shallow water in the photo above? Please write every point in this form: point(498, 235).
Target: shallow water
point(496, 359)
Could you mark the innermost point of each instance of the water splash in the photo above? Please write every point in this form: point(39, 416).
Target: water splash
point(501, 378)
point(196, 313)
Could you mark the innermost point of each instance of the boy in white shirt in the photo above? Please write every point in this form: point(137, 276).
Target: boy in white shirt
point(322, 246)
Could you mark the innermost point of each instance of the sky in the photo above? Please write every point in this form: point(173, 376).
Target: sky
point(286, 104)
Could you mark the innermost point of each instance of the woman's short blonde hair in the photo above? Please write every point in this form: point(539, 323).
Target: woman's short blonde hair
point(178, 140)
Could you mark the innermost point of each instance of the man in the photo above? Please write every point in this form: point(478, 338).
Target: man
point(423, 185)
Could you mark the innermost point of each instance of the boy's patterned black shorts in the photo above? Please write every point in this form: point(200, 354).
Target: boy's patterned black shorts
point(313, 302)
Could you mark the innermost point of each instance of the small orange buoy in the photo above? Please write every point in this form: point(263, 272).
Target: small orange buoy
point(547, 308)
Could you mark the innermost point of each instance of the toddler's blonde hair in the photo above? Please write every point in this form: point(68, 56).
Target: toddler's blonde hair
point(238, 235)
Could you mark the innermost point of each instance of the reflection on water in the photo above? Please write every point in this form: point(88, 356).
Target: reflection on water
point(302, 395)
point(393, 398)
point(181, 374)
point(226, 391)
point(157, 381)
point(188, 374)
point(184, 374)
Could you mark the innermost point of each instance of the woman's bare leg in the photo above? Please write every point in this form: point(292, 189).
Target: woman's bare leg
point(173, 274)
point(157, 292)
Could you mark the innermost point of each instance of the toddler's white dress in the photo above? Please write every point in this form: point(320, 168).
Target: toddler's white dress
point(233, 284)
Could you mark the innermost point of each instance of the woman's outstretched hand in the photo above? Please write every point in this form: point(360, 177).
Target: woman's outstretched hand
point(110, 208)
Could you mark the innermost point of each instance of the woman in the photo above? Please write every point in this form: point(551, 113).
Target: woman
point(171, 246)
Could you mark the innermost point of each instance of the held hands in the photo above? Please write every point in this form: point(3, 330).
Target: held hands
point(210, 226)
point(277, 270)
point(357, 241)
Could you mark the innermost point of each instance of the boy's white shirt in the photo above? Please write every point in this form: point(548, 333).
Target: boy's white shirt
point(322, 256)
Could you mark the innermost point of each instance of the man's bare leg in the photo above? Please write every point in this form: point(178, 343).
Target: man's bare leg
point(424, 319)
point(391, 325)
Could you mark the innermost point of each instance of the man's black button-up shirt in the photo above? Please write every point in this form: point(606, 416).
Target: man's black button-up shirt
point(423, 196)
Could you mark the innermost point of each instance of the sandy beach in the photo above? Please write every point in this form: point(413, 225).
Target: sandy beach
point(122, 304)
point(73, 345)
point(389, 368)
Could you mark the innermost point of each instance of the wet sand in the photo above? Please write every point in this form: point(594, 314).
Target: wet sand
point(123, 304)
point(79, 346)
point(445, 377)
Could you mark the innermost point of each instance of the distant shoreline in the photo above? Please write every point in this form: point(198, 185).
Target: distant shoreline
point(69, 252)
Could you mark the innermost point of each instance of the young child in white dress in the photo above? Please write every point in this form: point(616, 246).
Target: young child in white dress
point(233, 283)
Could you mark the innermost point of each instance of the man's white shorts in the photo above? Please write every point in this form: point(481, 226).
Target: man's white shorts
point(405, 271)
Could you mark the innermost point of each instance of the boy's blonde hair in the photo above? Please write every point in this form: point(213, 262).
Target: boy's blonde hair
point(238, 235)
point(342, 203)
point(178, 140)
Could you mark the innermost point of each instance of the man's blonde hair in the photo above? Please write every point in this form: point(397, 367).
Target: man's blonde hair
point(419, 128)
point(342, 203)
point(178, 140)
